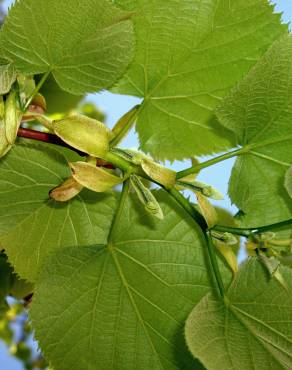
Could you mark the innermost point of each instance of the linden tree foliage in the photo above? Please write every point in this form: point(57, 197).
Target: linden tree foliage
point(258, 111)
point(86, 46)
point(116, 274)
point(189, 54)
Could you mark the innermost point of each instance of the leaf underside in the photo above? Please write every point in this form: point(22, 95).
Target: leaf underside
point(189, 54)
point(87, 46)
point(123, 305)
point(31, 224)
point(253, 332)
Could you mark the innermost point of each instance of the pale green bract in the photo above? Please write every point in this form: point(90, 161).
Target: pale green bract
point(86, 45)
point(189, 53)
point(123, 305)
point(32, 225)
point(253, 331)
point(259, 112)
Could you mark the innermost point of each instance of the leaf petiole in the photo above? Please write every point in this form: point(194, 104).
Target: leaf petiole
point(247, 232)
point(198, 167)
point(36, 90)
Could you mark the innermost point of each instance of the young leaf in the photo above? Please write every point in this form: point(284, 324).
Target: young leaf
point(123, 126)
point(156, 172)
point(7, 76)
point(288, 181)
point(208, 210)
point(66, 191)
point(252, 330)
point(32, 225)
point(87, 47)
point(94, 178)
point(126, 301)
point(146, 197)
point(4, 145)
point(83, 133)
point(259, 113)
point(12, 116)
point(189, 53)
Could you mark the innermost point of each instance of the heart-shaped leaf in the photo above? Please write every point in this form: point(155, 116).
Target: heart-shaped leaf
point(31, 224)
point(189, 53)
point(259, 110)
point(124, 302)
point(87, 46)
point(252, 331)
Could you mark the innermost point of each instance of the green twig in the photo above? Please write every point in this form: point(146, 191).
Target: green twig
point(198, 167)
point(196, 215)
point(214, 264)
point(124, 125)
point(119, 211)
point(247, 232)
point(36, 90)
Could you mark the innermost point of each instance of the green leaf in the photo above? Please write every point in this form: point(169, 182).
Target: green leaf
point(7, 76)
point(288, 181)
point(123, 305)
point(259, 111)
point(189, 54)
point(5, 276)
point(252, 331)
point(10, 284)
point(31, 224)
point(87, 47)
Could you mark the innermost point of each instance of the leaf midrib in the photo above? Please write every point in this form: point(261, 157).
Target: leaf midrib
point(133, 303)
point(259, 339)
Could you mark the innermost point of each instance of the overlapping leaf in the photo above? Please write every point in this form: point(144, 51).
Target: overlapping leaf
point(252, 332)
point(259, 111)
point(189, 53)
point(87, 46)
point(31, 224)
point(123, 305)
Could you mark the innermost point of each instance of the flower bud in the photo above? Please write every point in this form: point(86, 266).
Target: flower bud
point(94, 178)
point(273, 265)
point(83, 133)
point(66, 191)
point(226, 238)
point(146, 197)
point(197, 186)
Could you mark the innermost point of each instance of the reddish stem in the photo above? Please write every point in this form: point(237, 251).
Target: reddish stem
point(53, 139)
